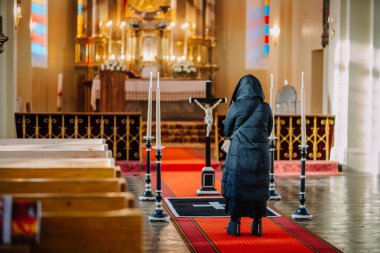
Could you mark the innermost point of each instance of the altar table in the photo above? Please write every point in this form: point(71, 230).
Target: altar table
point(171, 90)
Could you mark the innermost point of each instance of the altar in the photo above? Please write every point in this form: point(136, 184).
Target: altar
point(175, 95)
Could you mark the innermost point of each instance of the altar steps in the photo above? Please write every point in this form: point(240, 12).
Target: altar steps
point(181, 133)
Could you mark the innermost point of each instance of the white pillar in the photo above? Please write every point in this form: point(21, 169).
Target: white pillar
point(355, 73)
point(8, 73)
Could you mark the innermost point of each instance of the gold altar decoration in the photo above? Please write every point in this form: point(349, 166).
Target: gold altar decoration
point(144, 33)
point(122, 131)
point(319, 135)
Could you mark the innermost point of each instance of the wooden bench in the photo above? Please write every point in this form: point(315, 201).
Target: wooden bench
point(90, 232)
point(13, 141)
point(54, 147)
point(60, 172)
point(57, 163)
point(56, 154)
point(64, 185)
point(55, 202)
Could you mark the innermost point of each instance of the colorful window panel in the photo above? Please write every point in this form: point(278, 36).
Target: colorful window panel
point(39, 33)
point(257, 34)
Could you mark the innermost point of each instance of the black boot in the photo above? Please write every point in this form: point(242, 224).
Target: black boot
point(257, 227)
point(233, 227)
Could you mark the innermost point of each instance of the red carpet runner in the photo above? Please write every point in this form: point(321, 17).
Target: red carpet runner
point(182, 159)
point(209, 235)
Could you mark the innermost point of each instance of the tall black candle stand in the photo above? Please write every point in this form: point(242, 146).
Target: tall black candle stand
point(158, 213)
point(273, 195)
point(148, 194)
point(302, 213)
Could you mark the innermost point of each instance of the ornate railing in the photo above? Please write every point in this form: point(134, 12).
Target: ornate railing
point(319, 133)
point(121, 131)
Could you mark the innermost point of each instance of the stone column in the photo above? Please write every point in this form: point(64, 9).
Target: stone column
point(8, 71)
point(356, 96)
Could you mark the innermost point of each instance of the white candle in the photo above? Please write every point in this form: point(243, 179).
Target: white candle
point(272, 101)
point(303, 116)
point(149, 117)
point(109, 24)
point(185, 46)
point(122, 38)
point(158, 113)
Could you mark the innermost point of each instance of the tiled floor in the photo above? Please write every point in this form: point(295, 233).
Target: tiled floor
point(346, 212)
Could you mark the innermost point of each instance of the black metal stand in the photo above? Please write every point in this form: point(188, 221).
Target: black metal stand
point(208, 174)
point(273, 195)
point(158, 213)
point(302, 213)
point(148, 194)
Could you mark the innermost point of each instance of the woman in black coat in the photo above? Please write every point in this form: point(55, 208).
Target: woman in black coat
point(245, 182)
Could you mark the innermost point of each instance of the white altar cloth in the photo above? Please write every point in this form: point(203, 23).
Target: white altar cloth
point(171, 90)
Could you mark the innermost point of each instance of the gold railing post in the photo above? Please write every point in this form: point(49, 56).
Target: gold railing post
point(23, 126)
point(327, 143)
point(89, 127)
point(291, 138)
point(127, 141)
point(63, 127)
point(37, 130)
point(114, 137)
point(315, 143)
point(50, 126)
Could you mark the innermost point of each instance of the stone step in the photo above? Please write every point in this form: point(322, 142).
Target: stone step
point(186, 132)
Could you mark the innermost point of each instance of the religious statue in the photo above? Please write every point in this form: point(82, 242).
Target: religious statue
point(208, 114)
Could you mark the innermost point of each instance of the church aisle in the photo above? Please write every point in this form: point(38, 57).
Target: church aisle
point(346, 211)
point(157, 237)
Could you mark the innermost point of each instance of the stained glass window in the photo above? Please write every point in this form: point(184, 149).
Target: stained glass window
point(39, 33)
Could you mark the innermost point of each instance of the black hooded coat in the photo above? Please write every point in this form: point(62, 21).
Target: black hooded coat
point(245, 181)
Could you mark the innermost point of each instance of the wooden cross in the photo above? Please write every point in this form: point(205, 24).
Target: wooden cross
point(208, 174)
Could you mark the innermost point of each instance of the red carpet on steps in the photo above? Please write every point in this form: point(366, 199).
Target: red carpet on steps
point(182, 159)
point(193, 159)
point(280, 234)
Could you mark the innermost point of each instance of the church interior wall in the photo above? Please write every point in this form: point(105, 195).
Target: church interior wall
point(291, 53)
point(230, 34)
point(39, 85)
point(306, 37)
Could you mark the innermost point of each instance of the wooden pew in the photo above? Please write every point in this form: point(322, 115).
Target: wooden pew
point(60, 172)
point(90, 232)
point(13, 141)
point(61, 185)
point(56, 154)
point(55, 202)
point(57, 163)
point(54, 147)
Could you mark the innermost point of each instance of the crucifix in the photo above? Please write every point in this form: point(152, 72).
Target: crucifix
point(208, 173)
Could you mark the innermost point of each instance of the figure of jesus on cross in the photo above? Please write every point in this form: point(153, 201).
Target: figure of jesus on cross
point(208, 114)
point(208, 174)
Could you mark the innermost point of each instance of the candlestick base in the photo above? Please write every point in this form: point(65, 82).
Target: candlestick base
point(302, 214)
point(158, 215)
point(148, 138)
point(208, 182)
point(273, 195)
point(147, 196)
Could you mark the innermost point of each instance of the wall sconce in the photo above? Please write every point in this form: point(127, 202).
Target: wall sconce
point(3, 38)
point(275, 31)
point(332, 24)
point(18, 13)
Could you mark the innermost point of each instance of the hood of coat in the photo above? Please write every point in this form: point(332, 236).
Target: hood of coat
point(249, 87)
